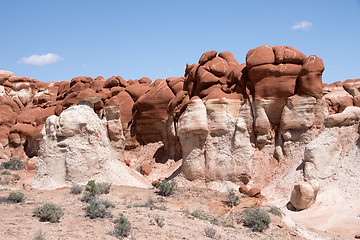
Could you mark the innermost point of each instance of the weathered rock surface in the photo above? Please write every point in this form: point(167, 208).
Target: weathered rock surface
point(252, 123)
point(304, 194)
point(260, 119)
point(215, 142)
point(150, 112)
point(74, 148)
point(323, 156)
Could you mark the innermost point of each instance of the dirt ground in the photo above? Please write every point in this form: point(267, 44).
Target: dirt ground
point(333, 214)
point(185, 215)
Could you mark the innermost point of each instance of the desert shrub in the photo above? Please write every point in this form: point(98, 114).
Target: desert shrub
point(103, 188)
point(5, 181)
point(90, 193)
point(107, 203)
point(231, 198)
point(166, 188)
point(150, 203)
point(5, 172)
point(91, 187)
point(214, 220)
point(49, 212)
point(160, 221)
point(226, 221)
point(16, 177)
point(88, 197)
point(210, 232)
point(13, 164)
point(98, 209)
point(199, 214)
point(76, 189)
point(39, 236)
point(16, 197)
point(122, 227)
point(257, 219)
point(276, 211)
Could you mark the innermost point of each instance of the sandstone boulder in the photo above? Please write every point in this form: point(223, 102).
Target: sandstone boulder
point(74, 148)
point(145, 169)
point(243, 189)
point(304, 194)
point(253, 192)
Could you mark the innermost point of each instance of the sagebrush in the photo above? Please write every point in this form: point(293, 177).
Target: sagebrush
point(231, 198)
point(276, 211)
point(49, 212)
point(16, 197)
point(13, 164)
point(122, 227)
point(98, 209)
point(257, 219)
point(166, 188)
point(76, 189)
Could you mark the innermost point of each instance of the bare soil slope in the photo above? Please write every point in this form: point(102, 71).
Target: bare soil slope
point(186, 214)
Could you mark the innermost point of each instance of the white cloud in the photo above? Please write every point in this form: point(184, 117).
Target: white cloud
point(40, 60)
point(304, 25)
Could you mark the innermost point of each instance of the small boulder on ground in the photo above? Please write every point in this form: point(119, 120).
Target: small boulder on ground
point(253, 192)
point(304, 194)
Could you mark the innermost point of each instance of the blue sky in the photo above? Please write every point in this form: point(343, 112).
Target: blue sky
point(156, 39)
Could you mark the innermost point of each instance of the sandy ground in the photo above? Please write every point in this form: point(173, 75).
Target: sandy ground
point(333, 214)
point(17, 221)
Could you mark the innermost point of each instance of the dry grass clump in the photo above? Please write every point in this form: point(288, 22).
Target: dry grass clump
point(39, 236)
point(160, 221)
point(76, 189)
point(209, 232)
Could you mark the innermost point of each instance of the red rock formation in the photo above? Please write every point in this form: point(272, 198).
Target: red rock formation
point(276, 71)
point(243, 189)
point(145, 169)
point(310, 77)
point(125, 103)
point(253, 192)
point(150, 112)
point(275, 85)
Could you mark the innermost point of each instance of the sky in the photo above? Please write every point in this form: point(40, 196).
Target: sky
point(55, 40)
